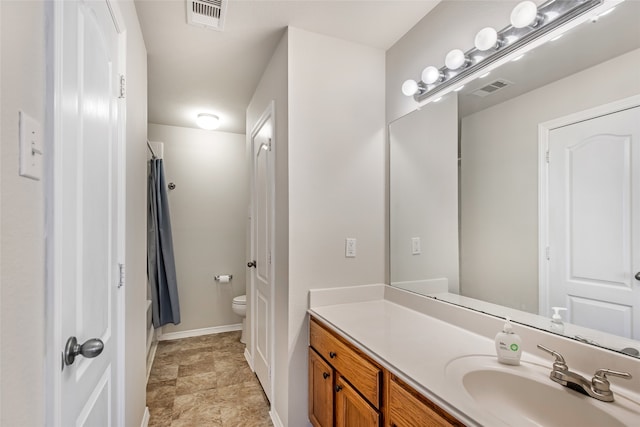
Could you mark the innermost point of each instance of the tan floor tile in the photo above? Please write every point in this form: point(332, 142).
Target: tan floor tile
point(205, 381)
point(199, 406)
point(161, 416)
point(192, 383)
point(161, 393)
point(161, 373)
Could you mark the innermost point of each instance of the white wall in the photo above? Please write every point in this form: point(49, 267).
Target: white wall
point(423, 189)
point(136, 219)
point(22, 333)
point(208, 220)
point(22, 314)
point(499, 180)
point(273, 86)
point(336, 180)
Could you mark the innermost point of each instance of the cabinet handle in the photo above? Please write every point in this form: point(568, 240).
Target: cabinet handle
point(332, 354)
point(338, 388)
point(325, 375)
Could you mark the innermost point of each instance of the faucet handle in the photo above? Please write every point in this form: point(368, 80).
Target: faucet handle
point(600, 381)
point(559, 364)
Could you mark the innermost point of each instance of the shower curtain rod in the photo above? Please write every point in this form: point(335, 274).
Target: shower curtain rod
point(153, 155)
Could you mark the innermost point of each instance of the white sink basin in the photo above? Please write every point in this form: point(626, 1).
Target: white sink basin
point(525, 396)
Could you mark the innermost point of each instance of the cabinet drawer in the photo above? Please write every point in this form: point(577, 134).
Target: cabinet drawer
point(408, 409)
point(352, 365)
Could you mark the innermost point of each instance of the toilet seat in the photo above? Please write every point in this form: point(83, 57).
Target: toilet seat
point(240, 300)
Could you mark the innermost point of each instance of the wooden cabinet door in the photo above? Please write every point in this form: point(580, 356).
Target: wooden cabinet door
point(320, 391)
point(351, 409)
point(406, 409)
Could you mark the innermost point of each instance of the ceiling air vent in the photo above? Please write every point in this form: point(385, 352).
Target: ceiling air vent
point(207, 13)
point(491, 87)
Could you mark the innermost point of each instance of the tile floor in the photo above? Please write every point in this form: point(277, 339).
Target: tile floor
point(205, 381)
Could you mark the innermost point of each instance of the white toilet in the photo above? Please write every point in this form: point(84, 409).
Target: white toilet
point(239, 307)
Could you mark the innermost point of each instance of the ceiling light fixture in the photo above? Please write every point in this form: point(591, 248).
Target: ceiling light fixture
point(208, 121)
point(530, 26)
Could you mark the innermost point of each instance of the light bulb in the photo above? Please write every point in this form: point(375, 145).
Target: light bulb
point(455, 59)
point(431, 75)
point(524, 14)
point(409, 87)
point(487, 38)
point(208, 121)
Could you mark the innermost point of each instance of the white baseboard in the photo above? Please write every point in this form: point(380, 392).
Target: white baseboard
point(275, 419)
point(145, 417)
point(197, 332)
point(151, 355)
point(247, 356)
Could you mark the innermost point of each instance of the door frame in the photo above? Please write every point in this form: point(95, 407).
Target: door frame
point(269, 115)
point(54, 99)
point(544, 131)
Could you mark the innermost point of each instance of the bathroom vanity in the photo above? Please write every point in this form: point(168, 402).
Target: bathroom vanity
point(381, 356)
point(347, 386)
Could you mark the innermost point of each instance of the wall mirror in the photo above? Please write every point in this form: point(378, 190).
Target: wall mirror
point(474, 211)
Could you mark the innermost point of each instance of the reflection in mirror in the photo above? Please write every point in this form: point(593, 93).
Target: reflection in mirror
point(575, 243)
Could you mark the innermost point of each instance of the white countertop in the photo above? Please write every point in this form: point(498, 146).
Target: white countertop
point(417, 348)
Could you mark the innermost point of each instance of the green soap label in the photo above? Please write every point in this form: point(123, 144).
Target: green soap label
point(514, 347)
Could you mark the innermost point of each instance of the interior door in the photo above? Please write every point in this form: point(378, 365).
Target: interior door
point(594, 222)
point(262, 236)
point(87, 226)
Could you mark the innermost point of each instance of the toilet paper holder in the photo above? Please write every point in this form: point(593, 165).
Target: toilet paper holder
point(223, 278)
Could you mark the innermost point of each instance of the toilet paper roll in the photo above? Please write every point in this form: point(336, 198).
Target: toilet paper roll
point(223, 278)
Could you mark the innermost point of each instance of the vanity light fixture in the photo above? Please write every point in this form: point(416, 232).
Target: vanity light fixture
point(525, 14)
point(456, 59)
point(208, 121)
point(431, 75)
point(410, 87)
point(487, 38)
point(529, 26)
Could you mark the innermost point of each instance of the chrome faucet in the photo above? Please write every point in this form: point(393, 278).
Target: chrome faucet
point(598, 388)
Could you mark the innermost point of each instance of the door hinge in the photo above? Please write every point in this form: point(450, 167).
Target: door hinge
point(546, 156)
point(121, 276)
point(269, 144)
point(269, 258)
point(548, 253)
point(123, 86)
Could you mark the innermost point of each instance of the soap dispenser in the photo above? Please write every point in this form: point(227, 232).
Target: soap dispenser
point(508, 345)
point(556, 320)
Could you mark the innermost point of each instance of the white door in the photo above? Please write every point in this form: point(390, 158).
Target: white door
point(261, 242)
point(594, 222)
point(87, 229)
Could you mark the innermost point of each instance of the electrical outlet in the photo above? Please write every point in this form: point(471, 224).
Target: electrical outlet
point(350, 247)
point(416, 247)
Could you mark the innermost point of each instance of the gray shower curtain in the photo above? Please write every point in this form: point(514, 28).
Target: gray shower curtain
point(161, 267)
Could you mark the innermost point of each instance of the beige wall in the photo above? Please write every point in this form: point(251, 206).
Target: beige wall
point(22, 331)
point(136, 219)
point(273, 87)
point(499, 180)
point(22, 314)
point(208, 221)
point(336, 180)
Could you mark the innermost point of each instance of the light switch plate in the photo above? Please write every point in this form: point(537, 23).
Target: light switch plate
point(31, 147)
point(416, 246)
point(350, 247)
